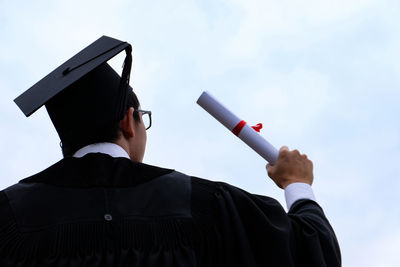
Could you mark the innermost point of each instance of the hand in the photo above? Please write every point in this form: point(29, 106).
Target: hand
point(291, 167)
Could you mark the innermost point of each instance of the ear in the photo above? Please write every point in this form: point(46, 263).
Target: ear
point(127, 124)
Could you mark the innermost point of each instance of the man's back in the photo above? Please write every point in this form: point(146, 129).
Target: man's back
point(104, 211)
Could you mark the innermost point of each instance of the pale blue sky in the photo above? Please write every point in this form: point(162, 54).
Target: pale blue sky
point(322, 76)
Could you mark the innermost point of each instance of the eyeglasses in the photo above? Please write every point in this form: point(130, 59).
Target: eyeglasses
point(146, 117)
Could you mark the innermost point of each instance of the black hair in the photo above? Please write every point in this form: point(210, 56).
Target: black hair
point(109, 133)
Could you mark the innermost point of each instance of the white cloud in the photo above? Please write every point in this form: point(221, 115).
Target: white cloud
point(375, 250)
point(288, 101)
point(267, 24)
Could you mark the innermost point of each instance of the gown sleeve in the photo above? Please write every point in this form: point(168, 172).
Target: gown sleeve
point(256, 231)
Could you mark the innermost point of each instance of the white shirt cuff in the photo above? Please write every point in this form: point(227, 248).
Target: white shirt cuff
point(296, 191)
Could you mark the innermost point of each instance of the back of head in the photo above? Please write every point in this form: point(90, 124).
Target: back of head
point(87, 111)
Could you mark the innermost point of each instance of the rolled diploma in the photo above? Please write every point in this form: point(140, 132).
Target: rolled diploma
point(248, 135)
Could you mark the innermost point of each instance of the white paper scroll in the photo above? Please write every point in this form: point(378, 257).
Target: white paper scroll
point(247, 134)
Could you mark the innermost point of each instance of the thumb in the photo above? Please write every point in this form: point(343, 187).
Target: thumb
point(270, 167)
point(283, 148)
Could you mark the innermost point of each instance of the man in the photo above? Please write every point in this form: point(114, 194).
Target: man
point(100, 206)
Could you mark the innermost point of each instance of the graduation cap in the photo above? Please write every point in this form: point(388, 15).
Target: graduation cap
point(84, 94)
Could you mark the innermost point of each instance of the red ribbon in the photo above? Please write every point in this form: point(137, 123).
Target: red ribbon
point(257, 127)
point(238, 128)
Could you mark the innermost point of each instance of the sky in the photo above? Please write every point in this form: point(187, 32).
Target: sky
point(322, 76)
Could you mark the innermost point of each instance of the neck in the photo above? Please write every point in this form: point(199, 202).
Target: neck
point(122, 142)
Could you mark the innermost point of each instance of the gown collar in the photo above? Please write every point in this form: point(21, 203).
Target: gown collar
point(97, 169)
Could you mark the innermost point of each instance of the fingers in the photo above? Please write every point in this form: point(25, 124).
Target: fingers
point(285, 149)
point(311, 164)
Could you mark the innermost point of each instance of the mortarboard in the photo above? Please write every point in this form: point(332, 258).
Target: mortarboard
point(82, 88)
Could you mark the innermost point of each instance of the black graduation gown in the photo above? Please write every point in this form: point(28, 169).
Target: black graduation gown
point(104, 211)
